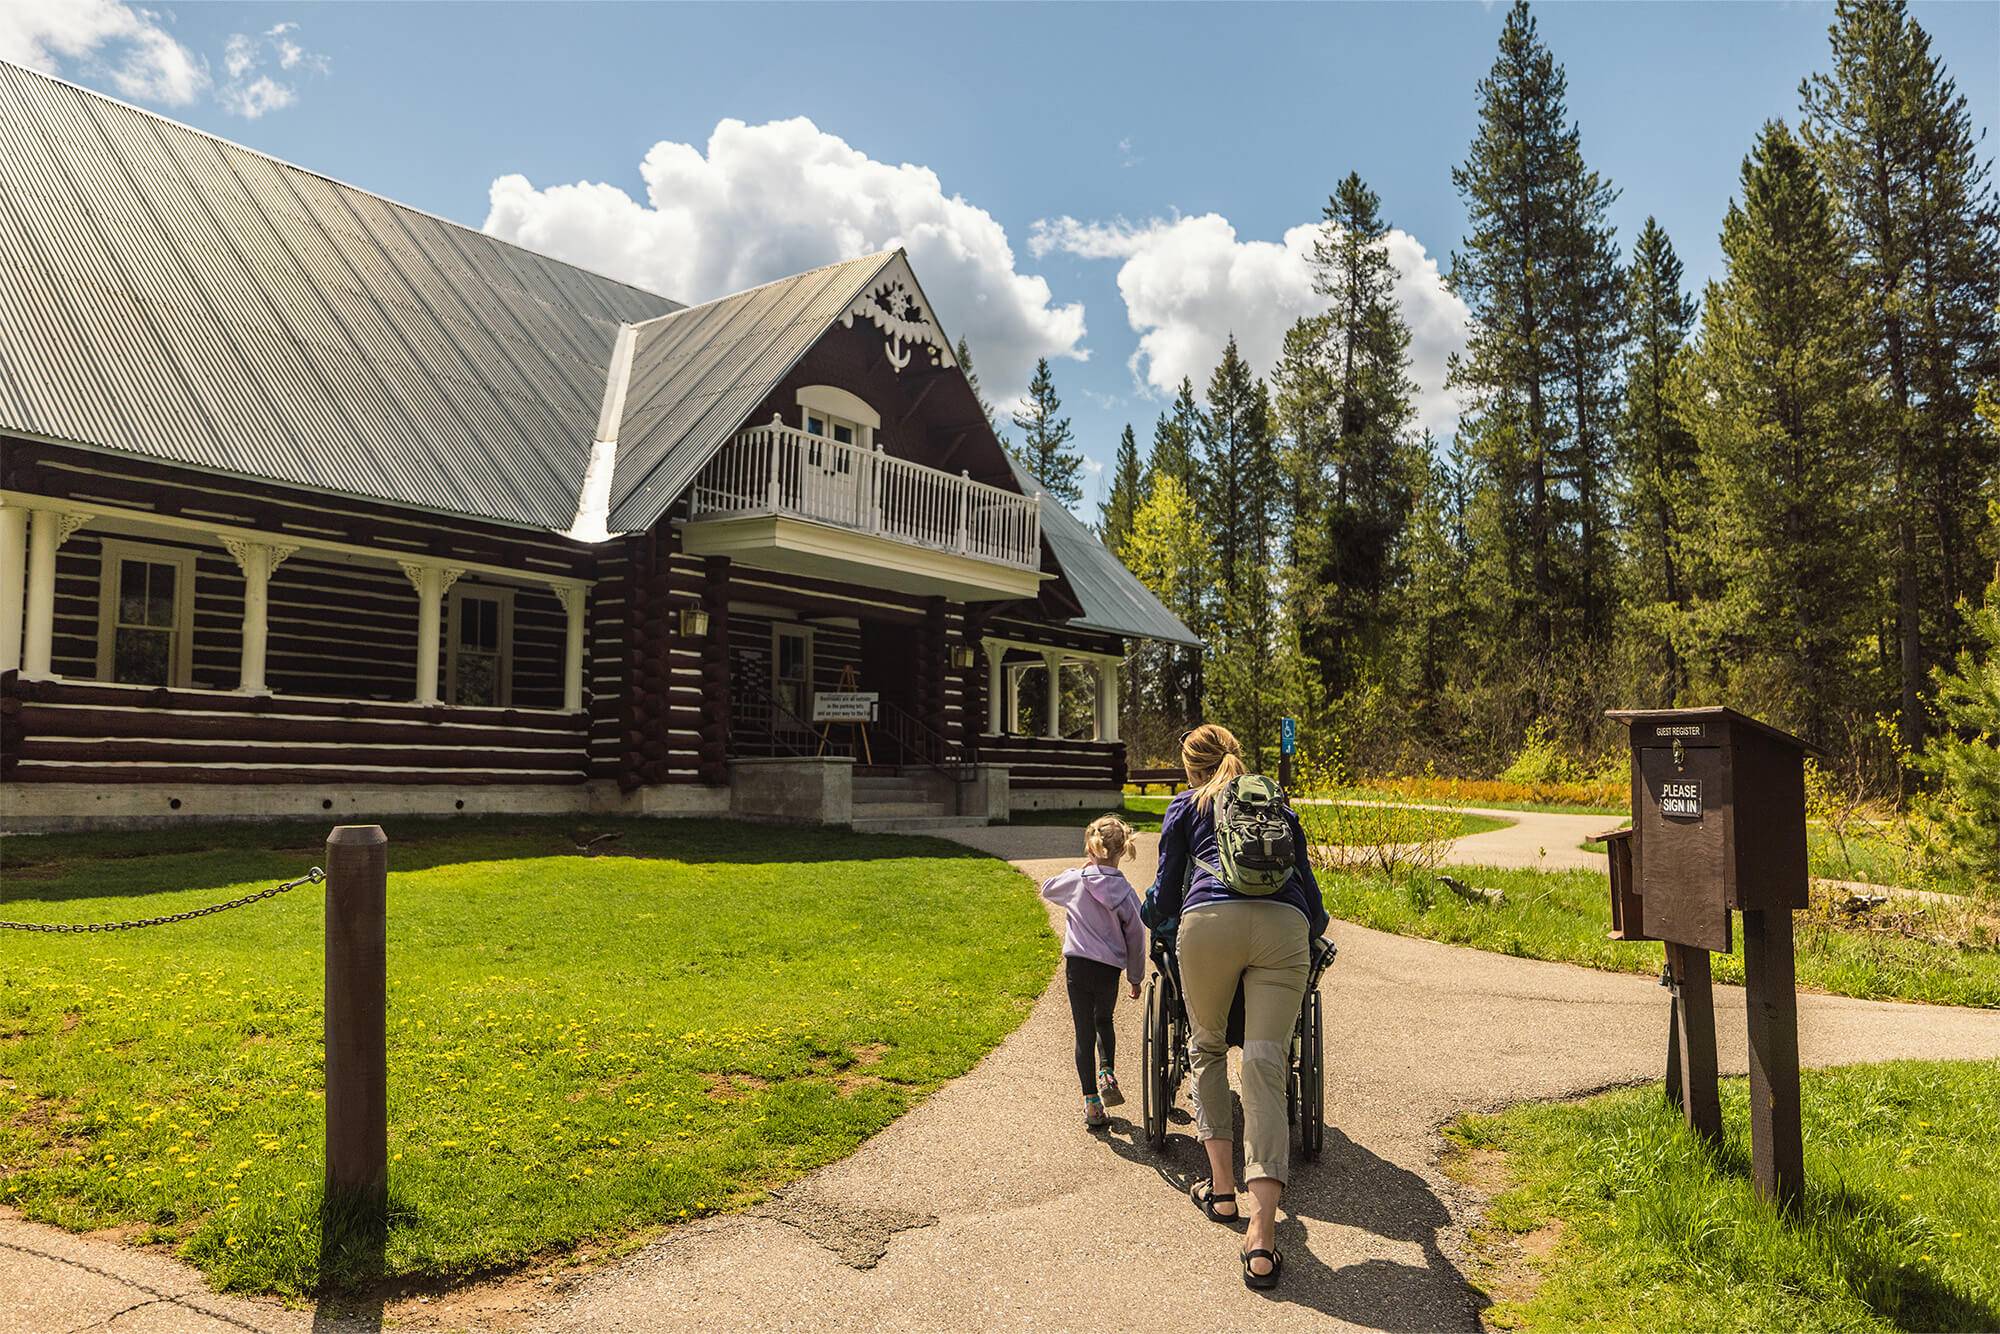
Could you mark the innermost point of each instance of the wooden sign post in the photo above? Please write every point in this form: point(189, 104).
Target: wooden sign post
point(1718, 824)
point(848, 706)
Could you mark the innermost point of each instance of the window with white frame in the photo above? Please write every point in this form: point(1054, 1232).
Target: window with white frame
point(830, 413)
point(479, 659)
point(145, 628)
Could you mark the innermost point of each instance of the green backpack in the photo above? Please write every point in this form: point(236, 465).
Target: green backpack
point(1253, 837)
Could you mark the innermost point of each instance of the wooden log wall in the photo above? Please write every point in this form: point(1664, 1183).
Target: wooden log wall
point(73, 732)
point(1036, 762)
point(338, 627)
point(668, 719)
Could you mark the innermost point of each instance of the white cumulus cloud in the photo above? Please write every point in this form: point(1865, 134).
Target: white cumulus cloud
point(249, 91)
point(765, 201)
point(102, 39)
point(1190, 282)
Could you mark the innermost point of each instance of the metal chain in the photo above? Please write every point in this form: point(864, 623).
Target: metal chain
point(312, 877)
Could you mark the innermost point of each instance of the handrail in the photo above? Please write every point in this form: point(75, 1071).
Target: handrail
point(761, 694)
point(781, 469)
point(942, 756)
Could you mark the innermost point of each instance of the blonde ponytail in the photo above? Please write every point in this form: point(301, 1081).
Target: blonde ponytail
point(1211, 756)
point(1108, 840)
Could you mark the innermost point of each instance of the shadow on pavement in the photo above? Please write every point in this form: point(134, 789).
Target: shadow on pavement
point(1348, 1187)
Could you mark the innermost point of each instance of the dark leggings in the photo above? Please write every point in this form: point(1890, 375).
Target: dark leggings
point(1093, 992)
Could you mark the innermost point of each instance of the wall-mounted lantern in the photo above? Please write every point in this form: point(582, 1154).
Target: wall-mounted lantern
point(961, 657)
point(694, 622)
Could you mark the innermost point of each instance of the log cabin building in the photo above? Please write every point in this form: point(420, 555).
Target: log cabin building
point(312, 503)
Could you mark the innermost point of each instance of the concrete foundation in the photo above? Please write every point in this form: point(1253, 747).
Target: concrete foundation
point(52, 807)
point(1065, 799)
point(984, 793)
point(816, 790)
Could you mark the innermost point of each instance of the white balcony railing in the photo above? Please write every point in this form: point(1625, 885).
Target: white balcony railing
point(779, 469)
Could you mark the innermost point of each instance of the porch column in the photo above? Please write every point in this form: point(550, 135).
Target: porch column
point(257, 560)
point(571, 596)
point(13, 582)
point(46, 533)
point(431, 582)
point(1052, 725)
point(996, 686)
point(1107, 700)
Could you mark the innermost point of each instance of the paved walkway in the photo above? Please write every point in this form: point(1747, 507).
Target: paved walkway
point(990, 1206)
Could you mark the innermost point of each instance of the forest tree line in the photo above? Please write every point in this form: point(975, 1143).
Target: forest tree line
point(1779, 494)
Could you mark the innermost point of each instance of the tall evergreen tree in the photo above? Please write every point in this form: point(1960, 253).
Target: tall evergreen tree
point(1176, 437)
point(1346, 373)
point(1777, 393)
point(1588, 328)
point(1046, 449)
point(1656, 458)
point(1114, 518)
point(1895, 141)
point(1533, 272)
point(1236, 467)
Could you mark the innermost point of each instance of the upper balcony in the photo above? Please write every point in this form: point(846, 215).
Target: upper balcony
point(777, 497)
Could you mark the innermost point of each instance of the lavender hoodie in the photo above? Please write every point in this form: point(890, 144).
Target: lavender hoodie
point(1103, 914)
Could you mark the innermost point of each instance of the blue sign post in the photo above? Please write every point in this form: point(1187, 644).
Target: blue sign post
point(1288, 742)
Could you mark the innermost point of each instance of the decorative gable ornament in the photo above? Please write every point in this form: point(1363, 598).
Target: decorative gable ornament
point(894, 306)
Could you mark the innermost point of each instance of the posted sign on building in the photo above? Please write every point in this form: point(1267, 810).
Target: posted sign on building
point(845, 706)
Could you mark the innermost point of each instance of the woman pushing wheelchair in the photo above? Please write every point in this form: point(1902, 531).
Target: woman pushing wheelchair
point(1236, 892)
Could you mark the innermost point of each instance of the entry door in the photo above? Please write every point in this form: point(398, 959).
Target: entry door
point(791, 672)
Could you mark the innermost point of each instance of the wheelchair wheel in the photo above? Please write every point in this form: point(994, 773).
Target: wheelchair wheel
point(1309, 1077)
point(1156, 1055)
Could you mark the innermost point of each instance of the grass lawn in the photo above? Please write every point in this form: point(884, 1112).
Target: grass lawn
point(1142, 813)
point(1325, 823)
point(578, 1047)
point(1613, 1216)
point(1495, 794)
point(1564, 915)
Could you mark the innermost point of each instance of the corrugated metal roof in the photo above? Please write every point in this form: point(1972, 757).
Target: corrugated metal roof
point(697, 373)
point(1113, 598)
point(174, 295)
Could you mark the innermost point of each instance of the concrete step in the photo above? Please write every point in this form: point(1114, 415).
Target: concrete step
point(915, 824)
point(890, 786)
point(893, 810)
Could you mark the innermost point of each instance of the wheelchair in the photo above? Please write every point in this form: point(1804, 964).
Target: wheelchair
point(1164, 1060)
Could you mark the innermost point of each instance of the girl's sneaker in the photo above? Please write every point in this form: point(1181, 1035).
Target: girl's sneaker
point(1093, 1114)
point(1107, 1088)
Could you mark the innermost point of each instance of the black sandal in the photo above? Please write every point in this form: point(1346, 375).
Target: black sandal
point(1206, 1202)
point(1253, 1279)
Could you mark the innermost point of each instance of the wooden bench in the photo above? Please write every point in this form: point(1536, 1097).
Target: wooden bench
point(1169, 778)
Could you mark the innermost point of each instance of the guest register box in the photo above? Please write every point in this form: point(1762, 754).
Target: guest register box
point(1718, 818)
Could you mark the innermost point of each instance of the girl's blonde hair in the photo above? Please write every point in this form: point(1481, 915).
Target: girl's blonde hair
point(1211, 756)
point(1108, 840)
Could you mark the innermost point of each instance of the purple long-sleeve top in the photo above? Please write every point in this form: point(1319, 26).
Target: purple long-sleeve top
point(1103, 917)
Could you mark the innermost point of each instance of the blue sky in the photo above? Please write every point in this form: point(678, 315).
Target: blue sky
point(1183, 142)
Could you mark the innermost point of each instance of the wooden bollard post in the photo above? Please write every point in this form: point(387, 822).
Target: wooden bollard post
point(357, 1004)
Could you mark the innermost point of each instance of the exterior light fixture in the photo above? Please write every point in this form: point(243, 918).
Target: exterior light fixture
point(694, 622)
point(961, 656)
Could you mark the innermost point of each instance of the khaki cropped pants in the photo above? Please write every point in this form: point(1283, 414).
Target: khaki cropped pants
point(1265, 945)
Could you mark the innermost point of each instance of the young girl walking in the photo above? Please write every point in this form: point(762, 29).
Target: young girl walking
point(1102, 936)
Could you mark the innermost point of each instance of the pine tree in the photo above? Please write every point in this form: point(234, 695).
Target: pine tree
point(1895, 141)
point(1114, 520)
point(1236, 467)
point(1535, 272)
point(1963, 761)
point(1175, 438)
point(1347, 374)
point(1777, 393)
point(1046, 450)
point(1657, 459)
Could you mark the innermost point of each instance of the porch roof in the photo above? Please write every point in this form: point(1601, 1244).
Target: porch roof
point(1113, 599)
